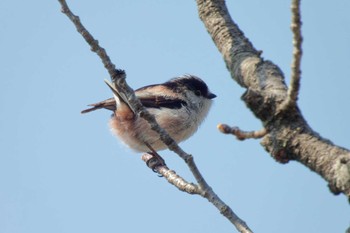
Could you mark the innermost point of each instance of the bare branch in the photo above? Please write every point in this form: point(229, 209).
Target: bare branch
point(240, 134)
point(118, 78)
point(289, 136)
point(207, 193)
point(173, 178)
point(294, 86)
point(89, 39)
point(297, 51)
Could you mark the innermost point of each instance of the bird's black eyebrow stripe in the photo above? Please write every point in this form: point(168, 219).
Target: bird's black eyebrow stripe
point(162, 102)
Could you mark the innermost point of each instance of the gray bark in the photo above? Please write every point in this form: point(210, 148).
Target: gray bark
point(289, 136)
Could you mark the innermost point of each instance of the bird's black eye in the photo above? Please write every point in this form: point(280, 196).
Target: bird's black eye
point(197, 92)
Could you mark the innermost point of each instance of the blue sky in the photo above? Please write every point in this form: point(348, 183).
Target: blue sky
point(61, 171)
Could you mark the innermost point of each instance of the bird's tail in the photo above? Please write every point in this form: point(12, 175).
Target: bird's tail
point(109, 104)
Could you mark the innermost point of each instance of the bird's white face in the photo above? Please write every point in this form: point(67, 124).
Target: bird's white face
point(198, 104)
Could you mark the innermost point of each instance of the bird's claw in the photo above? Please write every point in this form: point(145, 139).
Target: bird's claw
point(155, 162)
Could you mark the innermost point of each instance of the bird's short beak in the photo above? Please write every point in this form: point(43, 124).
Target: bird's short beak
point(211, 96)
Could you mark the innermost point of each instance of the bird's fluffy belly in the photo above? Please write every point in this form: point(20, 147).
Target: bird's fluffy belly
point(134, 132)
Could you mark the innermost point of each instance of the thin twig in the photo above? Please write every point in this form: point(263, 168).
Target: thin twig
point(89, 39)
point(207, 193)
point(173, 178)
point(294, 86)
point(118, 77)
point(240, 134)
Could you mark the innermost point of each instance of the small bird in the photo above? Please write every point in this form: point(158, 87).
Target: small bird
point(179, 105)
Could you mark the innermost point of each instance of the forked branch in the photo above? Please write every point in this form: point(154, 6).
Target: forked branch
point(289, 137)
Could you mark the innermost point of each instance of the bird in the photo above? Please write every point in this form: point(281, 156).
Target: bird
point(179, 106)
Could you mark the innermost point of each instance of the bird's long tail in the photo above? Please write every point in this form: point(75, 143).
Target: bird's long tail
point(109, 104)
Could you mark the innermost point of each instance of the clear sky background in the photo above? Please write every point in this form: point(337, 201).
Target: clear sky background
point(63, 172)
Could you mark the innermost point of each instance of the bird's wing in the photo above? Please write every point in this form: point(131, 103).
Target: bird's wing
point(149, 99)
point(161, 102)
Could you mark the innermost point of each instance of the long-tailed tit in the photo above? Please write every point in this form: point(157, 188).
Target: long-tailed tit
point(179, 106)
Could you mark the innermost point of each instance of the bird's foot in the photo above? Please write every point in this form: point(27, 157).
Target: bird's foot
point(155, 161)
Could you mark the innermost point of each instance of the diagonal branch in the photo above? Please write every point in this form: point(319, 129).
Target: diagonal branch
point(209, 194)
point(118, 77)
point(173, 178)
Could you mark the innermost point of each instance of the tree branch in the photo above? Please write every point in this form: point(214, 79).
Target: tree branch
point(204, 191)
point(173, 178)
point(294, 85)
point(118, 77)
point(240, 134)
point(289, 136)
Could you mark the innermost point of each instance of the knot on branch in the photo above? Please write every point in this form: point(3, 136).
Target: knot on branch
point(118, 74)
point(278, 143)
point(263, 106)
point(224, 210)
point(342, 176)
point(171, 176)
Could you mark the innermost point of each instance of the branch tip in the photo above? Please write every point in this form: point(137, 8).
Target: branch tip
point(294, 86)
point(240, 134)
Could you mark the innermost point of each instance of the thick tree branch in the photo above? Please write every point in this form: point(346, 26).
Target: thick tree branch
point(289, 136)
point(118, 78)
